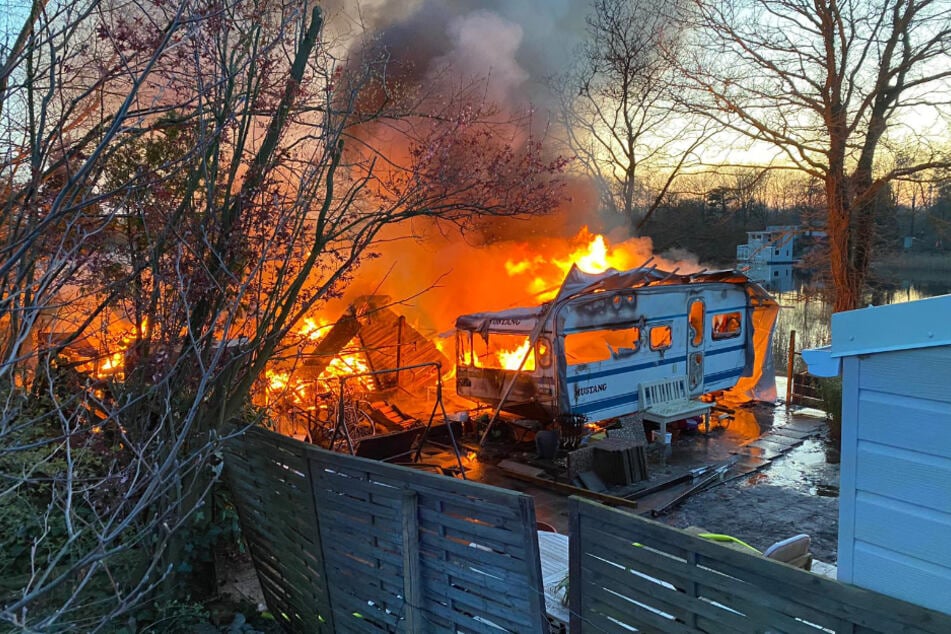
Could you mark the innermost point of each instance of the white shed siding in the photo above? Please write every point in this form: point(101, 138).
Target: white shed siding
point(922, 373)
point(895, 511)
point(913, 580)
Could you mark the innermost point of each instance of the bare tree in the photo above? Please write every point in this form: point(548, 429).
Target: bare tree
point(176, 195)
point(619, 115)
point(832, 85)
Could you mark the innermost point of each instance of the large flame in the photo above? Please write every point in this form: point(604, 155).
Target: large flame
point(499, 275)
point(592, 258)
point(283, 385)
point(592, 253)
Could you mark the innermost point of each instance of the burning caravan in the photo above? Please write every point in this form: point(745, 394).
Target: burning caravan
point(587, 351)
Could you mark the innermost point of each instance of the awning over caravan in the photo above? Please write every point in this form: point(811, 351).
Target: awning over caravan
point(516, 320)
point(761, 384)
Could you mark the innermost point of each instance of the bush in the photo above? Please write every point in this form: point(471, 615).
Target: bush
point(56, 486)
point(830, 391)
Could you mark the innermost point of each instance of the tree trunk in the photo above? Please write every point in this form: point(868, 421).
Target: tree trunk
point(839, 230)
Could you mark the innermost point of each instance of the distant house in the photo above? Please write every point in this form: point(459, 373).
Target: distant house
point(768, 256)
point(775, 245)
point(895, 490)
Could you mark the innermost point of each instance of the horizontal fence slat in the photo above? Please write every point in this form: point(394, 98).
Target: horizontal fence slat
point(490, 535)
point(738, 594)
point(752, 607)
point(635, 616)
point(328, 533)
point(347, 607)
point(453, 621)
point(754, 592)
point(436, 577)
point(486, 560)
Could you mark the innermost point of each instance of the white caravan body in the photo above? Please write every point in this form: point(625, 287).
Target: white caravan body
point(604, 335)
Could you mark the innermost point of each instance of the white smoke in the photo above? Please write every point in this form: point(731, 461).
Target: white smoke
point(515, 44)
point(485, 46)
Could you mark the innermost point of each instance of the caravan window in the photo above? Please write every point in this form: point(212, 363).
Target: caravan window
point(591, 346)
point(502, 351)
point(661, 337)
point(463, 347)
point(727, 325)
point(696, 322)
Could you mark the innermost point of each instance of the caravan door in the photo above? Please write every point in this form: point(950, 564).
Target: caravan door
point(696, 315)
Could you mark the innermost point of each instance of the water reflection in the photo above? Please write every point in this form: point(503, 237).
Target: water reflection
point(805, 311)
point(749, 424)
point(806, 469)
point(775, 278)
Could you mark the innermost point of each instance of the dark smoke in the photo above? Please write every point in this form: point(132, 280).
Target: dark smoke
point(516, 44)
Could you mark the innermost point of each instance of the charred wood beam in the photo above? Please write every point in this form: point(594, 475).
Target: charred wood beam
point(330, 346)
point(568, 489)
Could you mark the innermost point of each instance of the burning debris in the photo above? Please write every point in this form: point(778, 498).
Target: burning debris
point(597, 329)
point(369, 355)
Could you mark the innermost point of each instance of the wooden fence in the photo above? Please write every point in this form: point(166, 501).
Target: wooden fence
point(630, 573)
point(344, 544)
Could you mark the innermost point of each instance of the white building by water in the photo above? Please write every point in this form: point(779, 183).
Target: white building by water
point(774, 245)
point(768, 256)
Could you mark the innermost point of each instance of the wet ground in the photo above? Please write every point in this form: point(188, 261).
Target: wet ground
point(797, 492)
point(783, 481)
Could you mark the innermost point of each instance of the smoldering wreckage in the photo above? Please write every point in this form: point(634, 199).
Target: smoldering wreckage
point(608, 353)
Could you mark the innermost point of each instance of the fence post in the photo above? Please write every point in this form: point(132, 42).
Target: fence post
point(790, 362)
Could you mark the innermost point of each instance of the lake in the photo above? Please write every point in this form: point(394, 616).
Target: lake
point(803, 309)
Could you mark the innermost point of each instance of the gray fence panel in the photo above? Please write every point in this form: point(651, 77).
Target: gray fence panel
point(346, 544)
point(629, 572)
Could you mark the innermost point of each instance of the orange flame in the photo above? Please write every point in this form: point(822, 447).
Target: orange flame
point(593, 254)
point(311, 327)
point(592, 258)
point(510, 359)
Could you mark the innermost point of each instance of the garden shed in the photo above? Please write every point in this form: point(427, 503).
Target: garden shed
point(895, 492)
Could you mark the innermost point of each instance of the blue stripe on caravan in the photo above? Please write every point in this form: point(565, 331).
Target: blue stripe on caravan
point(718, 310)
point(719, 376)
point(606, 403)
point(577, 329)
point(711, 353)
point(614, 326)
point(643, 366)
point(632, 398)
point(624, 369)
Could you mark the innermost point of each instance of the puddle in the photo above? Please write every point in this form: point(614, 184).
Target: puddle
point(806, 469)
point(827, 490)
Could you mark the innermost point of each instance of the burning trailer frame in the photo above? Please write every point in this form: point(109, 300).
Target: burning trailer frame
point(323, 395)
point(587, 352)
